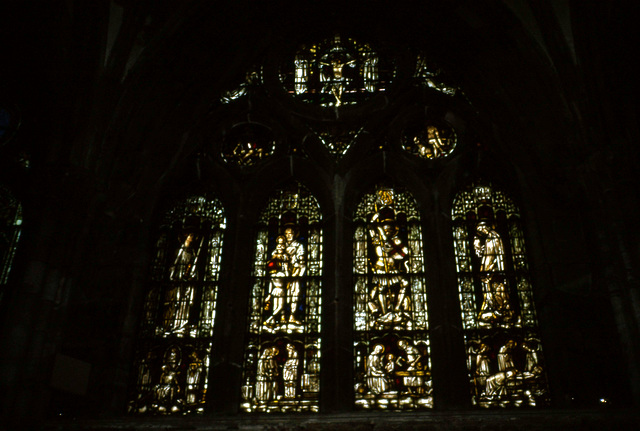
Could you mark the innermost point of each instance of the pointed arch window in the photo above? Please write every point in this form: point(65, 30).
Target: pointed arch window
point(504, 354)
point(10, 229)
point(282, 355)
point(391, 338)
point(392, 352)
point(172, 360)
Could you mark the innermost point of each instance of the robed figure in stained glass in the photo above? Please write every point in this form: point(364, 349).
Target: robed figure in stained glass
point(179, 298)
point(297, 267)
point(496, 306)
point(390, 300)
point(377, 376)
point(290, 371)
point(278, 268)
point(168, 391)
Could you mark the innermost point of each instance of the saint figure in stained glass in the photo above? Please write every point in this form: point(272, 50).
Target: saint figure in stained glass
point(389, 300)
point(184, 265)
point(436, 139)
point(495, 303)
point(335, 72)
point(290, 371)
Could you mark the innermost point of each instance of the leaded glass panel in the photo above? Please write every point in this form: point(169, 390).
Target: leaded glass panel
point(338, 140)
point(253, 77)
point(179, 312)
point(433, 140)
point(10, 228)
point(338, 71)
point(282, 356)
point(392, 351)
point(504, 352)
point(247, 143)
point(431, 76)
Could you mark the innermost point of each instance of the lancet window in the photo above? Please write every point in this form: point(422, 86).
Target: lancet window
point(282, 355)
point(392, 352)
point(172, 360)
point(504, 353)
point(10, 228)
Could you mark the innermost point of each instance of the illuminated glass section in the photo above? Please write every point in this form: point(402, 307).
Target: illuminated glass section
point(432, 77)
point(282, 356)
point(505, 361)
point(176, 333)
point(338, 71)
point(248, 143)
point(338, 141)
point(433, 140)
point(392, 352)
point(253, 77)
point(10, 228)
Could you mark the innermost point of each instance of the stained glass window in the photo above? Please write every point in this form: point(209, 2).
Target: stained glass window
point(282, 356)
point(253, 77)
point(338, 71)
point(338, 140)
point(247, 144)
point(10, 228)
point(431, 76)
point(430, 140)
point(504, 353)
point(5, 120)
point(392, 352)
point(176, 334)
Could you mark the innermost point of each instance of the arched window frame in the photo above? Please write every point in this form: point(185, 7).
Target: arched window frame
point(253, 95)
point(283, 348)
point(392, 350)
point(176, 333)
point(504, 352)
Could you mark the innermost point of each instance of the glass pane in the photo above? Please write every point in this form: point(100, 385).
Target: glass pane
point(430, 76)
point(253, 78)
point(10, 228)
point(282, 356)
point(338, 71)
point(247, 144)
point(392, 353)
point(172, 361)
point(505, 361)
point(433, 140)
point(338, 138)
